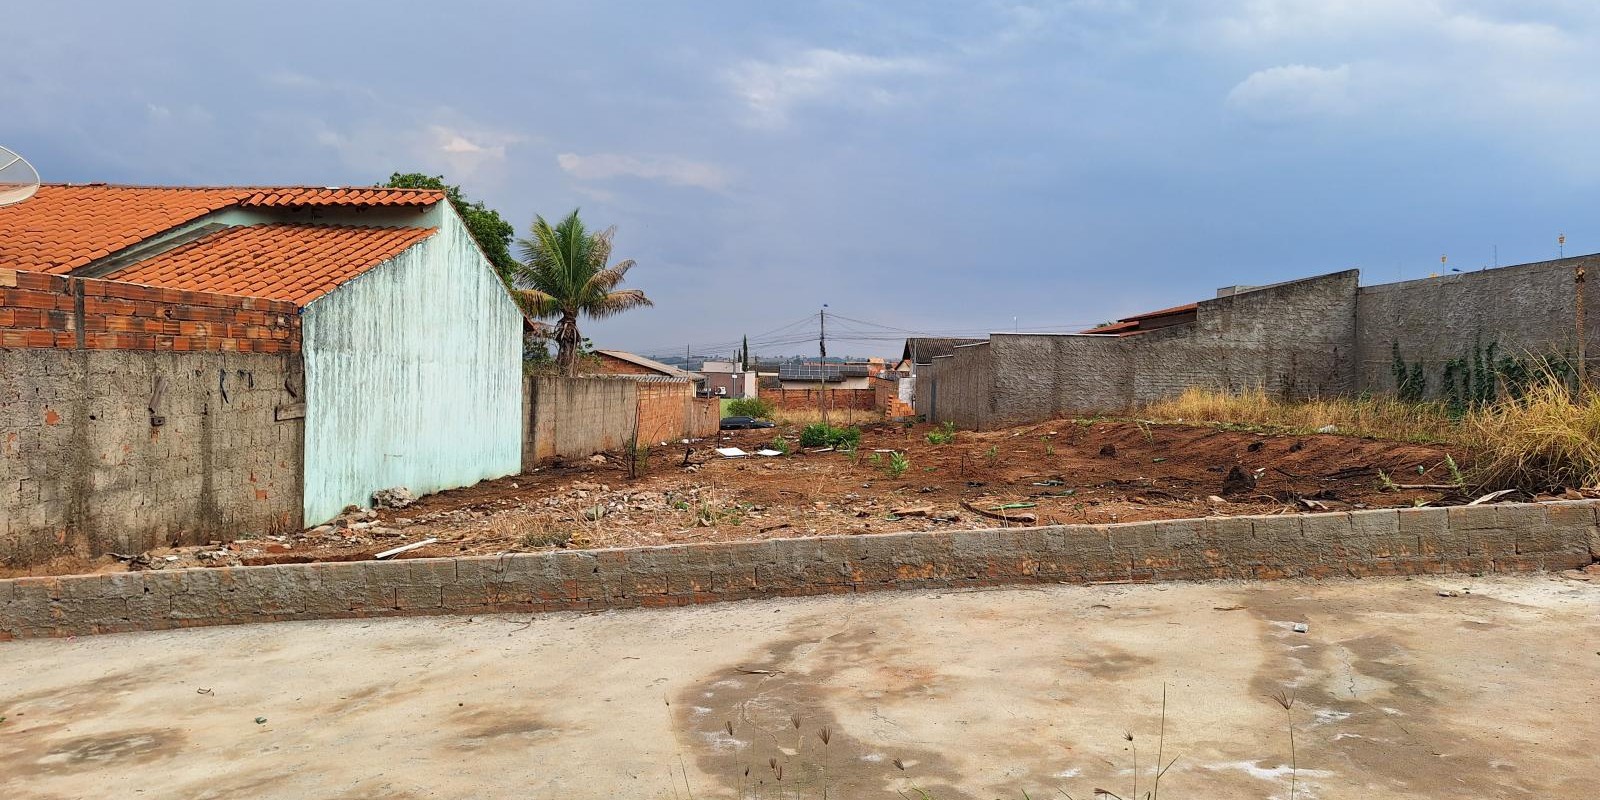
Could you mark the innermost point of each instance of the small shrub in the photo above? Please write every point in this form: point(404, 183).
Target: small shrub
point(818, 434)
point(781, 445)
point(944, 435)
point(898, 464)
point(750, 407)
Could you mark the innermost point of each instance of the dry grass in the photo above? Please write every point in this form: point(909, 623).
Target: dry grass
point(836, 416)
point(1377, 417)
point(1544, 441)
point(1547, 440)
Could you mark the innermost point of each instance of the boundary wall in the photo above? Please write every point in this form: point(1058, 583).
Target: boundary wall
point(1416, 541)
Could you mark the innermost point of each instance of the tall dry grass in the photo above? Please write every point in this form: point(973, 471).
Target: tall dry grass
point(1377, 417)
point(1545, 440)
point(836, 416)
point(1548, 439)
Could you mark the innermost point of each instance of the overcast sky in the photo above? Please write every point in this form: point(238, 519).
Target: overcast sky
point(933, 166)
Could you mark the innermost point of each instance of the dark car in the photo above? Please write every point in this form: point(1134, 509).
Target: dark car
point(740, 423)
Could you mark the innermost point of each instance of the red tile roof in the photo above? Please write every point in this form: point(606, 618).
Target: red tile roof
point(334, 196)
point(292, 262)
point(64, 227)
point(1128, 326)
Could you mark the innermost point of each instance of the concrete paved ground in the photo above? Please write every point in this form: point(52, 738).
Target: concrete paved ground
point(1398, 693)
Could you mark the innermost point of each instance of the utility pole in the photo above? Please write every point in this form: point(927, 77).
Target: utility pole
point(1583, 333)
point(822, 367)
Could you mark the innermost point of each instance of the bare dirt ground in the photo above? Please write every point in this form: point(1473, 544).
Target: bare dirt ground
point(1060, 472)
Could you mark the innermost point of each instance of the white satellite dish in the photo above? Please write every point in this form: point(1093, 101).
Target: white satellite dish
point(18, 179)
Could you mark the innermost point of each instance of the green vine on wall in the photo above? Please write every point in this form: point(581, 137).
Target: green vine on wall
point(1479, 377)
point(1409, 381)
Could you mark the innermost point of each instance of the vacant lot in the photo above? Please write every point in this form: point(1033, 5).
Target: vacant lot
point(1398, 693)
point(1061, 472)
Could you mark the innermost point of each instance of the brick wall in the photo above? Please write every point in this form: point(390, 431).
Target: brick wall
point(40, 311)
point(132, 417)
point(1506, 538)
point(875, 398)
point(664, 411)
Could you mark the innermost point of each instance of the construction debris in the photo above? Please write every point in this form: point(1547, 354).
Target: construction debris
point(405, 548)
point(397, 497)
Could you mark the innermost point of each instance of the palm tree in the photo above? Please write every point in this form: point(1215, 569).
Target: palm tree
point(563, 274)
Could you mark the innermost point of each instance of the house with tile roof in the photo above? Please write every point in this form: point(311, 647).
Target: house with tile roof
point(411, 346)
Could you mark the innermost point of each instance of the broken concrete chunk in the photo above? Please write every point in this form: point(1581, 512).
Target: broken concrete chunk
point(395, 497)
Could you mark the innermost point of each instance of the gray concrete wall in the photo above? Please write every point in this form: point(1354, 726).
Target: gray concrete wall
point(926, 399)
point(84, 472)
point(576, 417)
point(966, 386)
point(1504, 538)
point(1296, 339)
point(1522, 310)
point(1043, 377)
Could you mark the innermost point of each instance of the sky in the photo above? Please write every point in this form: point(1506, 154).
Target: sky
point(938, 167)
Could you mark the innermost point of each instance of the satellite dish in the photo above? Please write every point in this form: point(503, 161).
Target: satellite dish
point(18, 179)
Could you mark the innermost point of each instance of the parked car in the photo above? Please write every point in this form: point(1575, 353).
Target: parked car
point(741, 423)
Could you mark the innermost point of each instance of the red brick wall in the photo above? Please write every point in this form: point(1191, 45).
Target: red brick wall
point(53, 311)
point(874, 399)
point(664, 411)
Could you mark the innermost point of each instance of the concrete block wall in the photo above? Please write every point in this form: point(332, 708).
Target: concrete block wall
point(1506, 538)
point(578, 417)
point(1295, 339)
point(1522, 310)
point(86, 470)
point(132, 417)
point(967, 392)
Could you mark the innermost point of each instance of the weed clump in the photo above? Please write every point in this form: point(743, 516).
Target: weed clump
point(547, 538)
point(819, 434)
point(1545, 440)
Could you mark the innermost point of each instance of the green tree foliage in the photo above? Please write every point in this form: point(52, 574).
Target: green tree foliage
point(750, 407)
point(488, 228)
point(564, 275)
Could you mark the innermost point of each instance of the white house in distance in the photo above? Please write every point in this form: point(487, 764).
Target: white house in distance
point(411, 346)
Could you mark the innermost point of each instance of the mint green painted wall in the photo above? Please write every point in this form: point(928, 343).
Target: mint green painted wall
point(413, 376)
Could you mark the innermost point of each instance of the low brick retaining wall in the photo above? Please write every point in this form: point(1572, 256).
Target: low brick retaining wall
point(1503, 538)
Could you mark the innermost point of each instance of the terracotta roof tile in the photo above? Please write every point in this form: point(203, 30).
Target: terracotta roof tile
point(335, 196)
point(1128, 326)
point(64, 227)
point(279, 261)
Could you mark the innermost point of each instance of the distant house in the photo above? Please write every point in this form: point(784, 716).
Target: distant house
point(1151, 321)
point(409, 344)
point(729, 379)
point(625, 364)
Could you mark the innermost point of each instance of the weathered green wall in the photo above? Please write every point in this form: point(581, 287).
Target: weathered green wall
point(412, 376)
